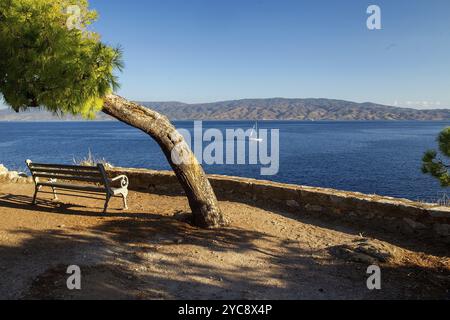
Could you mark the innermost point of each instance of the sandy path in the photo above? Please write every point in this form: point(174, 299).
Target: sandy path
point(151, 252)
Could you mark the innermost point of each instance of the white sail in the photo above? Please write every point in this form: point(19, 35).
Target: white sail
point(255, 133)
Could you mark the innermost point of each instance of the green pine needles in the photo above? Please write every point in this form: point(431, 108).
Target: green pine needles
point(49, 58)
point(432, 162)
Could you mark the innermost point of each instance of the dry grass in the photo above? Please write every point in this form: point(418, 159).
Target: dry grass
point(91, 160)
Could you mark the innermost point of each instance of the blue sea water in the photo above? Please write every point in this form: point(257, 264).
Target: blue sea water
point(371, 157)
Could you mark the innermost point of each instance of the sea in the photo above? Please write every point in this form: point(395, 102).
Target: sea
point(373, 157)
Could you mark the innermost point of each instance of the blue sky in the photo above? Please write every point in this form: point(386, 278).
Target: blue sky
point(209, 50)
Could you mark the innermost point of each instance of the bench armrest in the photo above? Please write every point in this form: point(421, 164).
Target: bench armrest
point(123, 181)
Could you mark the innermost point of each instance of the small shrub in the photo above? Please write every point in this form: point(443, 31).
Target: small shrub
point(91, 160)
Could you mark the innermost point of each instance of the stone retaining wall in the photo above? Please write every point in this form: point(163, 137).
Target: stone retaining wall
point(385, 213)
point(391, 214)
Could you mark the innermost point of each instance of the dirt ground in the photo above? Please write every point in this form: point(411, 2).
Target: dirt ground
point(152, 252)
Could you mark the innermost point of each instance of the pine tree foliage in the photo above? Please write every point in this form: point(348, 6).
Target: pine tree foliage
point(45, 63)
point(432, 160)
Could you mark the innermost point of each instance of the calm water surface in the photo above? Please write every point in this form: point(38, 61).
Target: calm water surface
point(371, 157)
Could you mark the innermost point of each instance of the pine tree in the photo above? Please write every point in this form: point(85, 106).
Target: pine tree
point(433, 163)
point(50, 59)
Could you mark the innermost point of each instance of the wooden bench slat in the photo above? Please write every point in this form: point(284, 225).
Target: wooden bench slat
point(67, 177)
point(37, 171)
point(63, 166)
point(72, 187)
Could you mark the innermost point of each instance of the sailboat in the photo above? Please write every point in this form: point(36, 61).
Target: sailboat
point(255, 133)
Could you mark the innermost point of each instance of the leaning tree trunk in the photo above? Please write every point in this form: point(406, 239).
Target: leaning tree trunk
point(190, 174)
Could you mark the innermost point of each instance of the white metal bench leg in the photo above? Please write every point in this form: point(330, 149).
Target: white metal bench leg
point(125, 204)
point(55, 195)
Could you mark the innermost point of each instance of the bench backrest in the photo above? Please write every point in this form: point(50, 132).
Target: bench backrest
point(89, 174)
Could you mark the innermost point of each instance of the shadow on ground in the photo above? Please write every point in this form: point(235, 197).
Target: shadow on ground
point(412, 242)
point(153, 256)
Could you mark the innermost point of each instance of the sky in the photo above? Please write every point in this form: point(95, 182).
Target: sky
point(209, 50)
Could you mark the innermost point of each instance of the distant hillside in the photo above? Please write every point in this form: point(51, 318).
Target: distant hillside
point(294, 109)
point(264, 109)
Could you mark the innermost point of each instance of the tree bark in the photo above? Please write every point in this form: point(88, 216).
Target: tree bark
point(190, 174)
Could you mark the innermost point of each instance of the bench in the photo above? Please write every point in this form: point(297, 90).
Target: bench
point(94, 179)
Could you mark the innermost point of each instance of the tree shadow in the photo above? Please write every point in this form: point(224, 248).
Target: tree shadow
point(22, 202)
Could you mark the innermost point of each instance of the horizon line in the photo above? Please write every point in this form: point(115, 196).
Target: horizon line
point(4, 106)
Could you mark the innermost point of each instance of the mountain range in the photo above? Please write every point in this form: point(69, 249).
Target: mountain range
point(261, 109)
